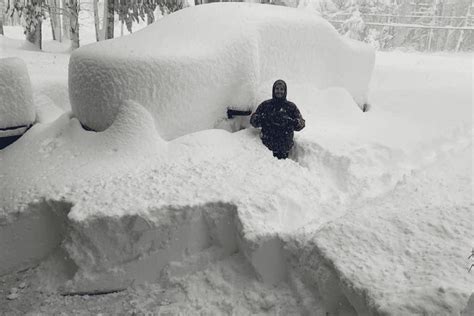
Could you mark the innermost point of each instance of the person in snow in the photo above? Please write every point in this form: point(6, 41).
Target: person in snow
point(278, 118)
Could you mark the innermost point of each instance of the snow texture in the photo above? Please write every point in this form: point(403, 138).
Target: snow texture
point(417, 235)
point(115, 149)
point(188, 67)
point(16, 102)
point(469, 309)
point(371, 214)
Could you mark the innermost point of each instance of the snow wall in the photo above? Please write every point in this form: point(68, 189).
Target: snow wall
point(188, 67)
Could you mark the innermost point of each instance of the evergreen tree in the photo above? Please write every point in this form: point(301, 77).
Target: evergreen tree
point(132, 11)
point(32, 13)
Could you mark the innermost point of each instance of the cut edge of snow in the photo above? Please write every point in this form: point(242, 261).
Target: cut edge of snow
point(103, 254)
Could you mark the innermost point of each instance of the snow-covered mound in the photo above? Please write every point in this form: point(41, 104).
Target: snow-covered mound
point(16, 102)
point(403, 253)
point(188, 67)
point(210, 189)
point(44, 155)
point(7, 43)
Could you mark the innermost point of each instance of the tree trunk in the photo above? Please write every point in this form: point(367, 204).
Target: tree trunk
point(2, 15)
point(96, 21)
point(55, 20)
point(50, 10)
point(53, 32)
point(110, 19)
point(461, 35)
point(150, 18)
point(104, 22)
point(59, 29)
point(35, 36)
point(74, 23)
point(66, 19)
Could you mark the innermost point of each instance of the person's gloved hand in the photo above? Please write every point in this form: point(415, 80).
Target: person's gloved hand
point(280, 120)
point(290, 121)
point(287, 121)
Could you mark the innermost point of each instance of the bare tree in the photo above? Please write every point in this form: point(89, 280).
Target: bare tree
point(65, 19)
point(73, 11)
point(98, 36)
point(55, 18)
point(110, 19)
point(2, 11)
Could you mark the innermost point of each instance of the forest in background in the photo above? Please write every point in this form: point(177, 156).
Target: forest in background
point(422, 25)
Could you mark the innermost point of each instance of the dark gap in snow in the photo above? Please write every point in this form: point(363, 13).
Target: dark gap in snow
point(87, 128)
point(7, 141)
point(92, 293)
point(10, 135)
point(235, 112)
point(15, 127)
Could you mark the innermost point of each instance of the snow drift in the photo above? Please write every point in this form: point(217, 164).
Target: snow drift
point(403, 253)
point(102, 182)
point(189, 66)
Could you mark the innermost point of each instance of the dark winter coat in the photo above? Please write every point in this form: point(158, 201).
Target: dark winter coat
point(278, 119)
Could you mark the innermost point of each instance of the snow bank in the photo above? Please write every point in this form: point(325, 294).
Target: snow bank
point(7, 43)
point(128, 174)
point(16, 104)
point(403, 253)
point(47, 71)
point(30, 238)
point(111, 253)
point(188, 67)
point(469, 310)
point(61, 158)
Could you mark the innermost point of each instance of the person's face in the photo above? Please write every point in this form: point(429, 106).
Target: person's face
point(279, 91)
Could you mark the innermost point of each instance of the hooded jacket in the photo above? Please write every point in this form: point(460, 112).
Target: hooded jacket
point(277, 113)
point(278, 118)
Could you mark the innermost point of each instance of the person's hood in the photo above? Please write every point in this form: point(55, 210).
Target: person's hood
point(273, 90)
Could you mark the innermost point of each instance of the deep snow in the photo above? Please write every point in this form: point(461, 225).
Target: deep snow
point(187, 68)
point(17, 107)
point(371, 215)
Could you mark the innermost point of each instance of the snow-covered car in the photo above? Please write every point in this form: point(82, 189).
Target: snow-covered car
point(17, 112)
point(188, 67)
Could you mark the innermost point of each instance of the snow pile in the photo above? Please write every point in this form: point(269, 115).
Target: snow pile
point(47, 73)
point(469, 310)
point(403, 253)
point(133, 203)
point(65, 156)
point(188, 67)
point(16, 104)
point(7, 43)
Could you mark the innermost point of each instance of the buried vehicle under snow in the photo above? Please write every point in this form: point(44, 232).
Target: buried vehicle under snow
point(203, 59)
point(17, 112)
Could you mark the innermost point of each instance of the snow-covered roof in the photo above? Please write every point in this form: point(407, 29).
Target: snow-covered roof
point(16, 100)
